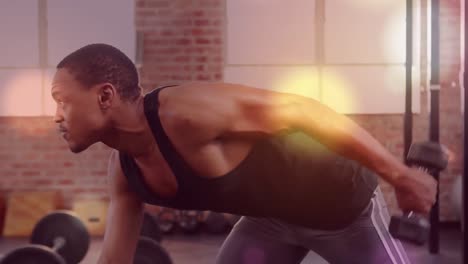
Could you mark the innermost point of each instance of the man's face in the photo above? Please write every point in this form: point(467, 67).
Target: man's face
point(78, 113)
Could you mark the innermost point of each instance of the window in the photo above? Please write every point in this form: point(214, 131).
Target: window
point(33, 49)
point(20, 76)
point(349, 54)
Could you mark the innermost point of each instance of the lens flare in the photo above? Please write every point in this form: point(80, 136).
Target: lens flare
point(337, 92)
point(301, 81)
point(21, 93)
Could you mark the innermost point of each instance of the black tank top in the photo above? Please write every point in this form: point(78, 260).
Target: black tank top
point(288, 176)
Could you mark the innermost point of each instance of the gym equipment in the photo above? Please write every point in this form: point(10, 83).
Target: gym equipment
point(150, 228)
point(411, 227)
point(33, 254)
point(58, 238)
point(25, 208)
point(464, 179)
point(189, 221)
point(216, 223)
point(93, 214)
point(166, 220)
point(428, 155)
point(149, 251)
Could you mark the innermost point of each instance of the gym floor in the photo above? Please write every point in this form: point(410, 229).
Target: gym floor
point(202, 249)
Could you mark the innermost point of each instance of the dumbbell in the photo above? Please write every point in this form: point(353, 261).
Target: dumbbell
point(412, 227)
point(150, 228)
point(189, 221)
point(166, 220)
point(149, 251)
point(58, 238)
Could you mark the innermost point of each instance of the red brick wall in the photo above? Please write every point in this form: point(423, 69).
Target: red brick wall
point(183, 41)
point(34, 157)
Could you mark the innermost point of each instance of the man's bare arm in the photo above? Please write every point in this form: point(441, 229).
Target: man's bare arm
point(237, 109)
point(123, 220)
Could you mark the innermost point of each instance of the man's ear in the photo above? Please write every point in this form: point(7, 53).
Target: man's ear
point(107, 94)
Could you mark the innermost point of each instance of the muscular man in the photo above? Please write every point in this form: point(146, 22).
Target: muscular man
point(303, 176)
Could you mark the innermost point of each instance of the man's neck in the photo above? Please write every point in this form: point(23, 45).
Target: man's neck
point(130, 131)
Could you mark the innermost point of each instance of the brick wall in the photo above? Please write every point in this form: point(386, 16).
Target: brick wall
point(183, 41)
point(34, 157)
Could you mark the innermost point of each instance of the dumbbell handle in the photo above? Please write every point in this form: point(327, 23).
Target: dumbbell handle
point(421, 220)
point(59, 242)
point(411, 213)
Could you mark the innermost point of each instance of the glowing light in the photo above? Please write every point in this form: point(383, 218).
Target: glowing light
point(299, 80)
point(337, 92)
point(21, 93)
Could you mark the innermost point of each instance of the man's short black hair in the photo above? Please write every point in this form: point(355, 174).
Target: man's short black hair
point(100, 63)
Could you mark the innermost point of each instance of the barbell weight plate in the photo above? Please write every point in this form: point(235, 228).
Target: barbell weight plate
point(150, 227)
point(66, 225)
point(33, 254)
point(149, 251)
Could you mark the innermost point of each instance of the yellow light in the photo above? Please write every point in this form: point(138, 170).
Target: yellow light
point(299, 80)
point(337, 92)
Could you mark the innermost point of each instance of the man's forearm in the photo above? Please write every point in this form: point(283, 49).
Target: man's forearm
point(104, 260)
point(344, 136)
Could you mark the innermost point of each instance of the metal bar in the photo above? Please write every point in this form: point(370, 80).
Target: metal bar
point(465, 150)
point(408, 119)
point(434, 137)
point(434, 116)
point(316, 65)
point(43, 49)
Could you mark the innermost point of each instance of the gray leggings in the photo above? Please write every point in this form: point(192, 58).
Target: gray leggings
point(267, 240)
